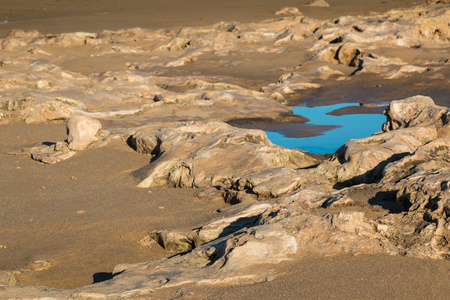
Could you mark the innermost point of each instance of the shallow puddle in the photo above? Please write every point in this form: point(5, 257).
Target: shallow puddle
point(352, 126)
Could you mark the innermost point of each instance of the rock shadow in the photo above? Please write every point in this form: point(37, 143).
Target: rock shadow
point(101, 276)
point(245, 222)
point(371, 176)
point(388, 201)
point(48, 143)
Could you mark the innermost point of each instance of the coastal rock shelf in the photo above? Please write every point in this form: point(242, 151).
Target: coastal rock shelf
point(147, 75)
point(408, 163)
point(171, 95)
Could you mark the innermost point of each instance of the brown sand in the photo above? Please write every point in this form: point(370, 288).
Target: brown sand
point(342, 277)
point(57, 16)
point(85, 216)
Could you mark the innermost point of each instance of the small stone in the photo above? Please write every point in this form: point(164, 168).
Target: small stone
point(288, 11)
point(147, 241)
point(37, 265)
point(318, 3)
point(82, 131)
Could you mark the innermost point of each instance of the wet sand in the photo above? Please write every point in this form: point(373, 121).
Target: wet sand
point(85, 215)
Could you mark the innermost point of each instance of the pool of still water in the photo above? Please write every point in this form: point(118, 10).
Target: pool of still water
point(353, 126)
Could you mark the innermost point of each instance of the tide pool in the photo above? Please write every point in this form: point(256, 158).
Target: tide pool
point(353, 126)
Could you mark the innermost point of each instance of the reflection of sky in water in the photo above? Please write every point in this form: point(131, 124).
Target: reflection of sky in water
point(354, 126)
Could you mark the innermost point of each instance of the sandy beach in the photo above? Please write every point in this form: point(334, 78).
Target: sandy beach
point(85, 215)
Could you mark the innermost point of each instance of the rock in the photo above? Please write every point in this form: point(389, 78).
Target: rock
point(363, 160)
point(177, 120)
point(311, 196)
point(345, 54)
point(70, 39)
point(414, 111)
point(410, 124)
point(209, 194)
point(186, 241)
point(203, 154)
point(7, 278)
point(427, 158)
point(438, 1)
point(288, 11)
point(82, 131)
point(267, 183)
point(318, 3)
point(349, 56)
point(339, 201)
point(37, 265)
point(268, 243)
point(49, 155)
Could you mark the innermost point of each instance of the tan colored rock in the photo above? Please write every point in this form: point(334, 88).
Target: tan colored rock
point(288, 11)
point(37, 265)
point(318, 3)
point(203, 154)
point(349, 56)
point(7, 278)
point(269, 183)
point(82, 131)
point(427, 158)
point(346, 54)
point(186, 241)
point(363, 160)
point(50, 155)
point(414, 111)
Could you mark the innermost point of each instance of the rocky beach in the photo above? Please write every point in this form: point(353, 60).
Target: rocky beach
point(137, 158)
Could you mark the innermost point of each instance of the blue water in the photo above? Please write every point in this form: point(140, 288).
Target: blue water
point(353, 126)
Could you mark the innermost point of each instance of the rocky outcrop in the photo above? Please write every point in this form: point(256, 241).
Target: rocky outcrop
point(37, 89)
point(282, 202)
point(202, 154)
point(415, 111)
point(411, 123)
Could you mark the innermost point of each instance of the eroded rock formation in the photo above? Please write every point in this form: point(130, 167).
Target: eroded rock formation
point(385, 193)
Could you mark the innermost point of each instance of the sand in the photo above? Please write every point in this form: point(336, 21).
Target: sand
point(342, 277)
point(85, 215)
point(57, 16)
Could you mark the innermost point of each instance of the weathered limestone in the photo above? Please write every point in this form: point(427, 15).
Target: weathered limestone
point(206, 154)
point(282, 203)
point(287, 11)
point(415, 111)
point(411, 123)
point(82, 131)
point(183, 242)
point(36, 89)
point(318, 3)
point(254, 233)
